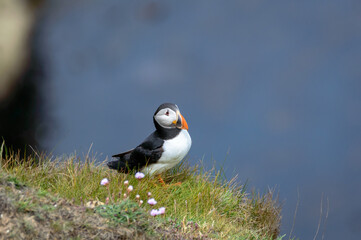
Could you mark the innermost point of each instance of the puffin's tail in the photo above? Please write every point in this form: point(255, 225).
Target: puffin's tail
point(121, 164)
point(117, 165)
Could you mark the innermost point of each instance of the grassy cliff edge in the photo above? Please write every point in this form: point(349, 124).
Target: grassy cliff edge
point(54, 198)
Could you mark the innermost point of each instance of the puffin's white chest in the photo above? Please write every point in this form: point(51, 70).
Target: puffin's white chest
point(175, 150)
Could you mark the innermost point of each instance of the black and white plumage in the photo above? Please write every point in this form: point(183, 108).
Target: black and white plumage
point(161, 150)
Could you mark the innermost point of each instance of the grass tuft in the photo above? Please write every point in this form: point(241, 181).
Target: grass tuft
point(126, 212)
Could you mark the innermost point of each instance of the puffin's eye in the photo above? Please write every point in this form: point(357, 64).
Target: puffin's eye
point(167, 113)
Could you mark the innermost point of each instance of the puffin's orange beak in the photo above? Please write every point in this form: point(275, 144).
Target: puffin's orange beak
point(184, 122)
point(181, 123)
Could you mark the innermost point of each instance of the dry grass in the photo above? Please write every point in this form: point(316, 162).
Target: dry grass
point(203, 206)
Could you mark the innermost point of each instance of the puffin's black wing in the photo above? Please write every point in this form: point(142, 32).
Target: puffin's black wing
point(121, 163)
point(146, 153)
point(119, 155)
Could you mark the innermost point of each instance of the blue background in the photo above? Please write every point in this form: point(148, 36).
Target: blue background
point(270, 90)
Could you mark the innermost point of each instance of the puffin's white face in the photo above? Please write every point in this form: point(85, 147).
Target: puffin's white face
point(167, 118)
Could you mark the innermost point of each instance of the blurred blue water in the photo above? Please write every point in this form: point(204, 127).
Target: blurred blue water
point(277, 85)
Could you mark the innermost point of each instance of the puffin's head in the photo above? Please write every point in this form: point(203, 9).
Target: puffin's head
point(168, 116)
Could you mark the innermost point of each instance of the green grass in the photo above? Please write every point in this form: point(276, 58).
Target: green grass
point(204, 205)
point(126, 212)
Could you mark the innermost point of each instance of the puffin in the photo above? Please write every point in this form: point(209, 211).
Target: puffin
point(161, 150)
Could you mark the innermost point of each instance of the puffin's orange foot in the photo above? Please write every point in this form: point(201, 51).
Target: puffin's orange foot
point(167, 185)
point(160, 179)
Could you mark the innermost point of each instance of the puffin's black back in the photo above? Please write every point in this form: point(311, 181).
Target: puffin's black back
point(150, 151)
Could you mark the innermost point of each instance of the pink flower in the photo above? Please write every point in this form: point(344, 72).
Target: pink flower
point(152, 201)
point(130, 188)
point(104, 182)
point(161, 210)
point(126, 182)
point(154, 212)
point(149, 194)
point(140, 202)
point(137, 197)
point(139, 175)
